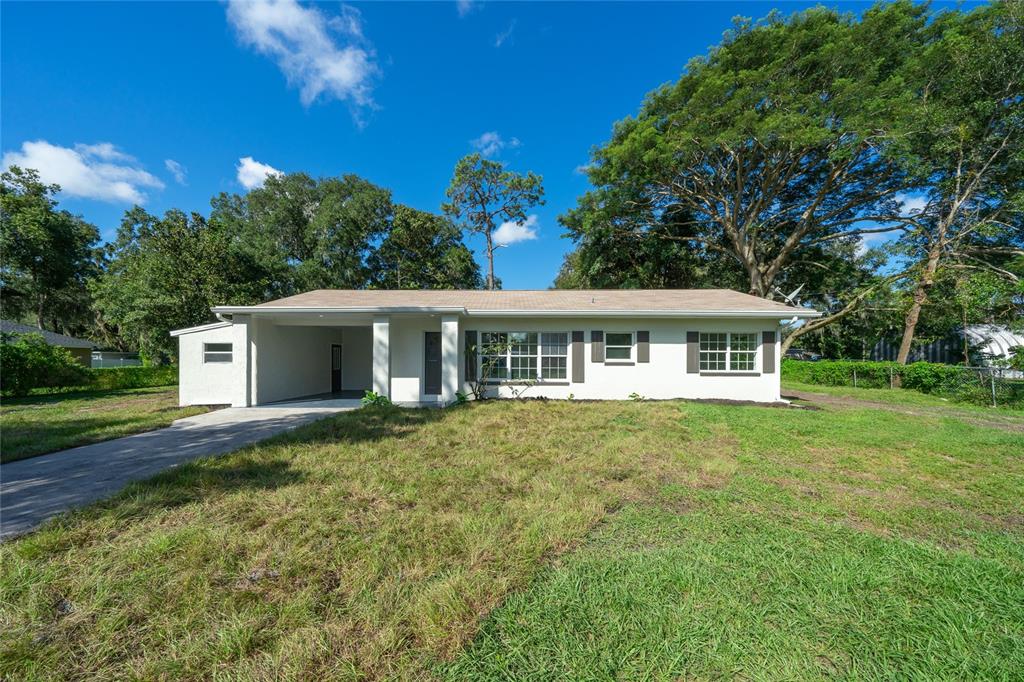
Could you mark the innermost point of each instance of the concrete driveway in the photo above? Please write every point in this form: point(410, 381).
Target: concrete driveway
point(32, 490)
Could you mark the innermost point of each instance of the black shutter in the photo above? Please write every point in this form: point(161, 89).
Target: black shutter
point(693, 352)
point(577, 357)
point(470, 356)
point(768, 352)
point(643, 346)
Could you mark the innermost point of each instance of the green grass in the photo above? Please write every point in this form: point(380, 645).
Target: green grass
point(534, 540)
point(40, 424)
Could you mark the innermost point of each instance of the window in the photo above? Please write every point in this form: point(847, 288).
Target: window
point(713, 351)
point(742, 352)
point(618, 346)
point(523, 352)
point(494, 355)
point(216, 352)
point(523, 356)
point(732, 352)
point(554, 352)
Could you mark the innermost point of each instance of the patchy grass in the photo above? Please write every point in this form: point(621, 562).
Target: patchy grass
point(537, 540)
point(40, 424)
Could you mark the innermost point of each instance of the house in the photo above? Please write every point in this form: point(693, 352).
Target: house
point(80, 349)
point(985, 345)
point(424, 347)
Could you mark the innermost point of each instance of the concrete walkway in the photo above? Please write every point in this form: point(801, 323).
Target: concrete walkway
point(32, 490)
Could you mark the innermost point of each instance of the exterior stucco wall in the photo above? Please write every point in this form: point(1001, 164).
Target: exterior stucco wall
point(357, 358)
point(407, 349)
point(292, 362)
point(664, 377)
point(202, 383)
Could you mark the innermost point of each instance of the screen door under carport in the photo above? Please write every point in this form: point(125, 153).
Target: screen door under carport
point(432, 363)
point(335, 368)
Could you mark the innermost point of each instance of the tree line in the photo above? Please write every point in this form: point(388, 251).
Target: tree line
point(778, 160)
point(869, 166)
point(295, 233)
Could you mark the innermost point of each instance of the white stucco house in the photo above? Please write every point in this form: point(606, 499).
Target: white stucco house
point(423, 347)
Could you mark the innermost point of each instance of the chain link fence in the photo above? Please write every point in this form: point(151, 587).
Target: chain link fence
point(993, 386)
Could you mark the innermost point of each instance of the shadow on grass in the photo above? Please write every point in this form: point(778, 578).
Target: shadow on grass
point(42, 487)
point(54, 397)
point(20, 441)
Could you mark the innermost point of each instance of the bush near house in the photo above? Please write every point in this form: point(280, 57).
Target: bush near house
point(948, 381)
point(28, 362)
point(134, 377)
point(30, 365)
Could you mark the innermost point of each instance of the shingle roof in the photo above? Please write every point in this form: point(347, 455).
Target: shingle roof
point(555, 300)
point(52, 338)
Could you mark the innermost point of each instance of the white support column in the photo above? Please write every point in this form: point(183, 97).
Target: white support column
point(449, 357)
point(241, 355)
point(382, 355)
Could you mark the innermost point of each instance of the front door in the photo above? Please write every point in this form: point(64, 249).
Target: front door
point(335, 368)
point(432, 363)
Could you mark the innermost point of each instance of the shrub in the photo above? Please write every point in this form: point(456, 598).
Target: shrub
point(28, 362)
point(373, 399)
point(133, 377)
point(949, 381)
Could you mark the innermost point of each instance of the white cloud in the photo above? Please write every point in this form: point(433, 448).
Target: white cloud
point(91, 171)
point(323, 56)
point(179, 172)
point(491, 143)
point(583, 169)
point(511, 232)
point(503, 37)
point(252, 173)
point(912, 204)
point(464, 7)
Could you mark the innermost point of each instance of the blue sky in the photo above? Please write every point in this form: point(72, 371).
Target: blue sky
point(168, 104)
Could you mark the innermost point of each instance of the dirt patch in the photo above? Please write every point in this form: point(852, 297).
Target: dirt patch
point(822, 400)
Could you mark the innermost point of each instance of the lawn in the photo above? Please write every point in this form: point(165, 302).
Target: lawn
point(545, 540)
point(47, 423)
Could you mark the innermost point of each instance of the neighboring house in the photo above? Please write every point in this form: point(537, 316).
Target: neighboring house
point(102, 359)
point(420, 347)
point(79, 348)
point(987, 345)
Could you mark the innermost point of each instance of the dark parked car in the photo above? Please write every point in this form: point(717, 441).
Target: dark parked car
point(801, 354)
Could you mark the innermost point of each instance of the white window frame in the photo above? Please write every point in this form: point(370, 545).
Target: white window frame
point(538, 356)
point(223, 357)
point(729, 352)
point(632, 348)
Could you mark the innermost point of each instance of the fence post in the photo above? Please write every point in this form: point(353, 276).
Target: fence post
point(992, 379)
point(855, 377)
point(890, 377)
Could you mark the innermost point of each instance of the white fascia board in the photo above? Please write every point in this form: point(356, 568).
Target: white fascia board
point(274, 310)
point(647, 313)
point(780, 314)
point(200, 328)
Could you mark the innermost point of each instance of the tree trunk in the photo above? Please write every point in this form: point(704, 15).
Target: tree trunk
point(490, 261)
point(920, 298)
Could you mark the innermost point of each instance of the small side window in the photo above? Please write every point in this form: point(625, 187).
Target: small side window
point(618, 346)
point(216, 352)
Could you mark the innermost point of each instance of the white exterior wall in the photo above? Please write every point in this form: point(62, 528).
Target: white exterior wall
point(202, 383)
point(407, 354)
point(664, 377)
point(356, 358)
point(293, 362)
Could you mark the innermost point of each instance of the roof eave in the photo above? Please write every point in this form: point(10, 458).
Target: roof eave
point(199, 328)
point(385, 310)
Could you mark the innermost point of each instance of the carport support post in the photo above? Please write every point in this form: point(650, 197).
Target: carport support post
point(449, 358)
point(382, 355)
point(242, 356)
